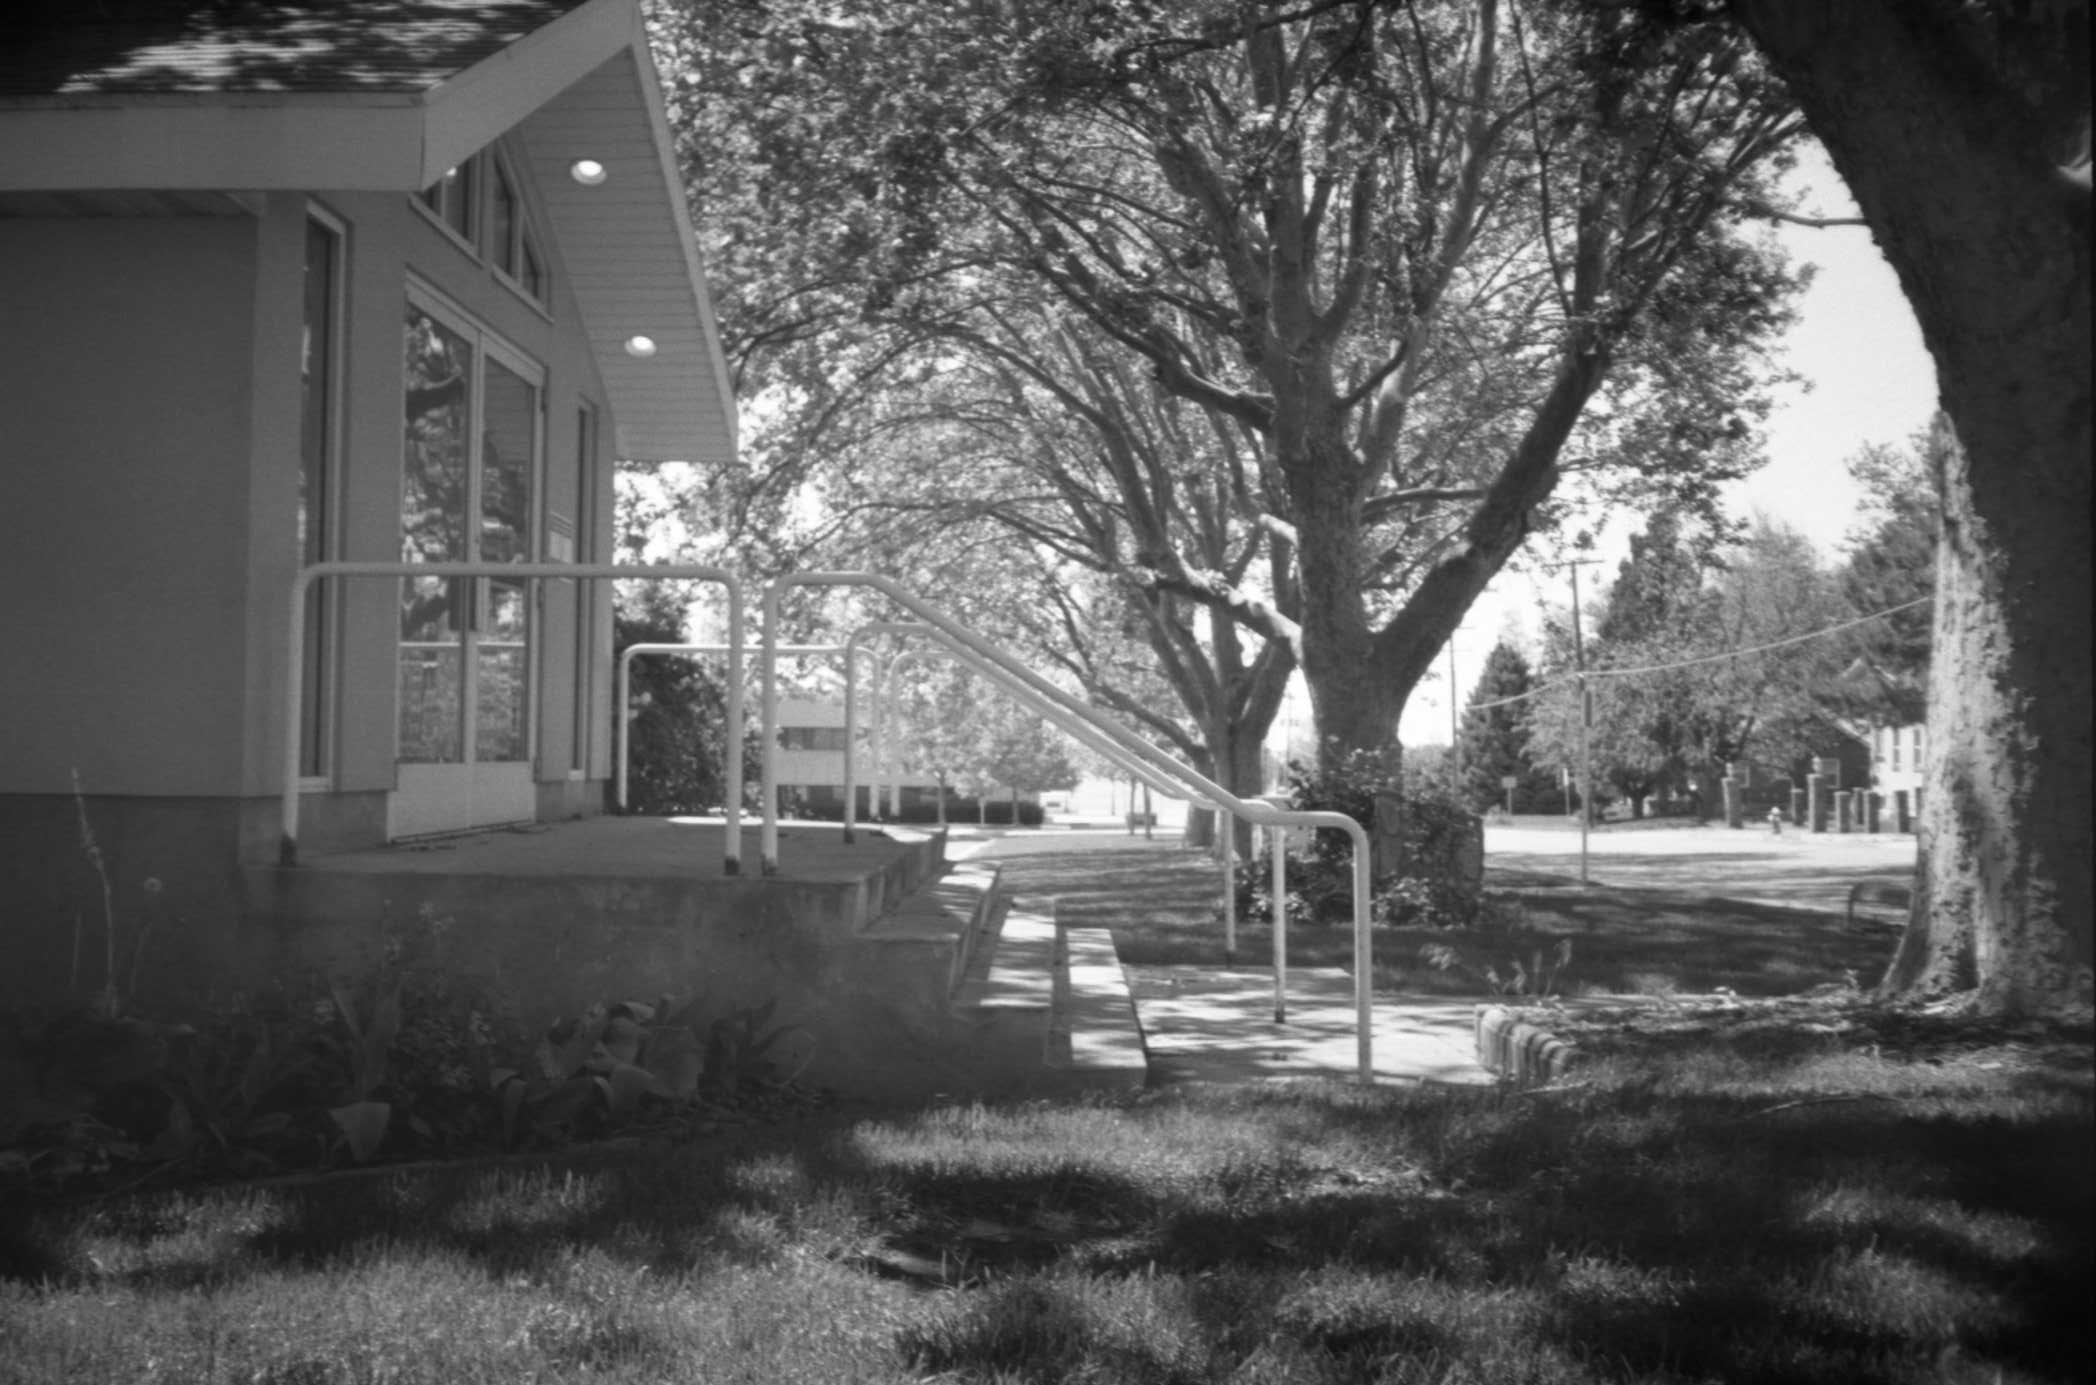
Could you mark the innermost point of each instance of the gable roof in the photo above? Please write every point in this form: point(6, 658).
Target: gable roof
point(387, 95)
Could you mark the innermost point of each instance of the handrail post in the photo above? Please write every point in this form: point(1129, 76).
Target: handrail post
point(1228, 823)
point(731, 751)
point(1277, 837)
point(851, 735)
point(1364, 975)
point(287, 839)
point(874, 767)
point(622, 698)
point(768, 730)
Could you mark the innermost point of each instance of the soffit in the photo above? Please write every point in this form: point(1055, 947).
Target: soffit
point(181, 96)
point(629, 256)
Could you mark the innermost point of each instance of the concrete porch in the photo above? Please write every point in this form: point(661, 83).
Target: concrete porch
point(877, 954)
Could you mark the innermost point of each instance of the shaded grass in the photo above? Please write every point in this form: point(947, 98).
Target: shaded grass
point(1825, 1194)
point(1164, 906)
point(1671, 1220)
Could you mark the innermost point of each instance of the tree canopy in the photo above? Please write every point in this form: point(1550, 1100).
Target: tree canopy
point(1337, 306)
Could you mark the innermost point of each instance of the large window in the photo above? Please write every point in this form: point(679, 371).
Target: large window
point(470, 467)
point(316, 468)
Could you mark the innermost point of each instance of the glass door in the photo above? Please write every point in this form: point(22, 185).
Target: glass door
point(470, 465)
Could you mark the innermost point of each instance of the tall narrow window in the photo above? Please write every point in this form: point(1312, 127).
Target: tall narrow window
point(451, 198)
point(315, 481)
point(585, 592)
point(504, 212)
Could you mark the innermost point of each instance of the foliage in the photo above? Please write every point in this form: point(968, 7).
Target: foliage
point(678, 713)
point(1292, 318)
point(1891, 563)
point(1494, 738)
point(362, 1117)
point(399, 1067)
point(1514, 959)
point(1436, 884)
point(1729, 670)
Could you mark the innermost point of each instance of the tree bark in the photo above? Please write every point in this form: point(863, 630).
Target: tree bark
point(1945, 151)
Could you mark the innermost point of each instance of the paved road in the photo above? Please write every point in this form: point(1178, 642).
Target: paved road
point(1796, 869)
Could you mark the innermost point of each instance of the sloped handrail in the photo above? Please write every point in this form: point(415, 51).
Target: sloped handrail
point(1082, 722)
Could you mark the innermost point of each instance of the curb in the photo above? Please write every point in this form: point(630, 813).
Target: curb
point(1523, 1053)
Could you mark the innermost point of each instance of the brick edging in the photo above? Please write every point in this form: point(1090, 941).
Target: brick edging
point(1524, 1053)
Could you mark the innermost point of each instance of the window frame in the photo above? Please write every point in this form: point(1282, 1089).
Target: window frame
point(317, 768)
point(484, 170)
point(489, 345)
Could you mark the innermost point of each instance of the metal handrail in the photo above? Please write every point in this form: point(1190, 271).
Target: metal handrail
point(303, 580)
point(624, 683)
point(1131, 752)
point(851, 716)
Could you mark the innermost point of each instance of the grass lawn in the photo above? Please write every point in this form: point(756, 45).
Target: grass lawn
point(1780, 1191)
point(1164, 907)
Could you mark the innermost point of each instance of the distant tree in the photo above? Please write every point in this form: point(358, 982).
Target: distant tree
point(1660, 580)
point(1721, 676)
point(677, 714)
point(1021, 754)
point(1891, 562)
point(1494, 735)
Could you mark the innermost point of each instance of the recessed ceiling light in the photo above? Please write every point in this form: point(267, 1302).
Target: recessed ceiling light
point(587, 172)
point(640, 346)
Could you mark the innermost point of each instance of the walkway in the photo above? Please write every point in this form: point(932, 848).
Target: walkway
point(1209, 1025)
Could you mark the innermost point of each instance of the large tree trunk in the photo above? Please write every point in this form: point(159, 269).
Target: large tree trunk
point(1945, 155)
point(1353, 705)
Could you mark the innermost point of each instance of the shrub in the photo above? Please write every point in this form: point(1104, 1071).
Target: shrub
point(1438, 883)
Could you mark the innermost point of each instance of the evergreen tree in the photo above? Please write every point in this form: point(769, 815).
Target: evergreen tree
point(1494, 737)
point(1891, 562)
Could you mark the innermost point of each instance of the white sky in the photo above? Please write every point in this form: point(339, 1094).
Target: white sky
point(1855, 342)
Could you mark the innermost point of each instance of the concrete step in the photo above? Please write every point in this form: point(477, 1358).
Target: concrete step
point(1095, 1037)
point(1055, 1003)
point(947, 920)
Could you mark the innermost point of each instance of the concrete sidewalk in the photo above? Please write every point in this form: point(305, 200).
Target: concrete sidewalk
point(1202, 1025)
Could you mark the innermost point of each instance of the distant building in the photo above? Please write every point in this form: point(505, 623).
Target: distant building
point(1891, 725)
point(811, 759)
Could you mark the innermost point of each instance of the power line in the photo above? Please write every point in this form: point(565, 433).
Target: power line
point(1707, 658)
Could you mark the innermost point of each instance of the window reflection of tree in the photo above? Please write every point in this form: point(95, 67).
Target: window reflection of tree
point(433, 502)
point(438, 417)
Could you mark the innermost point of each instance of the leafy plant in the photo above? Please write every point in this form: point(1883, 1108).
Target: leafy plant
point(1435, 886)
point(739, 1047)
point(597, 1067)
point(362, 1117)
point(1537, 976)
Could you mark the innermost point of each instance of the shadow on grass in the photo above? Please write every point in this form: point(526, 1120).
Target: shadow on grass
point(1616, 1232)
point(1884, 1198)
